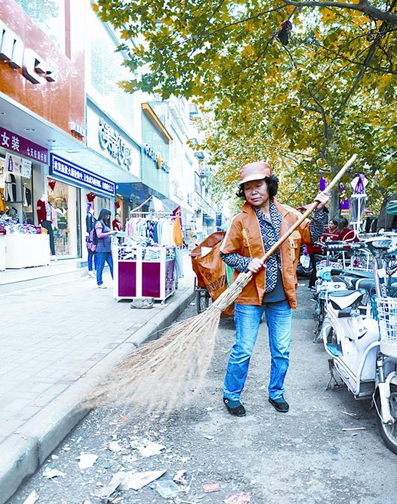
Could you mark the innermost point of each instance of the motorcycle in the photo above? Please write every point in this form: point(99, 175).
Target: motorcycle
point(362, 344)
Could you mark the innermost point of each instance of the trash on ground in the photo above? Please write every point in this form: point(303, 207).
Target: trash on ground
point(239, 498)
point(353, 428)
point(114, 446)
point(212, 487)
point(210, 438)
point(144, 303)
point(114, 484)
point(354, 415)
point(147, 448)
point(167, 489)
point(129, 480)
point(31, 498)
point(86, 460)
point(52, 473)
point(138, 480)
point(180, 477)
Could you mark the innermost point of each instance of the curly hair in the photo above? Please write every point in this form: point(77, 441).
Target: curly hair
point(272, 187)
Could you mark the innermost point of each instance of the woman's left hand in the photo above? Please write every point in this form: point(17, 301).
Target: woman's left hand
point(255, 265)
point(322, 198)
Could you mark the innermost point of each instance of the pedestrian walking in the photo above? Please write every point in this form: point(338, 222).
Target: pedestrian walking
point(104, 246)
point(272, 290)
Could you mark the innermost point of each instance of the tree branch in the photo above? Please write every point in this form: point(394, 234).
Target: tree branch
point(366, 63)
point(363, 6)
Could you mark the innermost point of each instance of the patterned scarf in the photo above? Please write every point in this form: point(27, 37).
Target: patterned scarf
point(270, 231)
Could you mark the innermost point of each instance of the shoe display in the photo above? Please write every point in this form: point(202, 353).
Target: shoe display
point(280, 404)
point(235, 408)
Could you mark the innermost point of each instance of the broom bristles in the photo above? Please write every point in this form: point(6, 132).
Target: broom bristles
point(165, 374)
point(157, 375)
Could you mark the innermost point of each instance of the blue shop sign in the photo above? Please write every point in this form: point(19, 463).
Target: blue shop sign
point(80, 176)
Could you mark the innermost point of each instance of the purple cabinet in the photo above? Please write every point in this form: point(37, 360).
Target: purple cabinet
point(141, 272)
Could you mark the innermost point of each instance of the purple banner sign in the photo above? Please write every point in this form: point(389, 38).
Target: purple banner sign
point(22, 146)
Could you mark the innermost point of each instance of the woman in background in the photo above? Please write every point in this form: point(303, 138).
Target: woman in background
point(104, 247)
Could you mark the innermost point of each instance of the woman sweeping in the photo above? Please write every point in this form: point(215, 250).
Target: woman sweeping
point(272, 290)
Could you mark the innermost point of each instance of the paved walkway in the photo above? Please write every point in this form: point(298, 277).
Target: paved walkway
point(56, 341)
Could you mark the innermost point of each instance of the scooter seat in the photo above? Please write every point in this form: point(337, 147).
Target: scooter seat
point(341, 300)
point(365, 283)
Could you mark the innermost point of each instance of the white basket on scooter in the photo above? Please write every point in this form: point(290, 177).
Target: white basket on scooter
point(387, 321)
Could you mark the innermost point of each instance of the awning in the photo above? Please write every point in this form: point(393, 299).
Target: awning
point(138, 192)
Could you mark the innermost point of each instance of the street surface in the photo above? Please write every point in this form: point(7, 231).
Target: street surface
point(327, 449)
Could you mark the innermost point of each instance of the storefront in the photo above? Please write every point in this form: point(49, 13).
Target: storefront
point(42, 108)
point(21, 164)
point(118, 155)
point(69, 183)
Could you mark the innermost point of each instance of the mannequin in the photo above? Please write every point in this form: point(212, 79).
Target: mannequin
point(44, 216)
point(90, 223)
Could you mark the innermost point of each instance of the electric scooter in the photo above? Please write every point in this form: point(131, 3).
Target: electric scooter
point(334, 278)
point(363, 347)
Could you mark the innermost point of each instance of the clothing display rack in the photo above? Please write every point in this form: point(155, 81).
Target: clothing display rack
point(144, 265)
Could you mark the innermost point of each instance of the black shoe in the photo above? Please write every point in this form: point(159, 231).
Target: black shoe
point(237, 409)
point(280, 404)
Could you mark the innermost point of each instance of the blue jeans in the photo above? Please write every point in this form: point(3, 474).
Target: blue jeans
point(101, 259)
point(91, 258)
point(247, 319)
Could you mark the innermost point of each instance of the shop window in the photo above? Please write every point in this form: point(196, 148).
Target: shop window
point(63, 199)
point(16, 190)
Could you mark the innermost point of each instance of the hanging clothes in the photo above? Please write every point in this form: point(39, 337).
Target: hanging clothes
point(3, 206)
point(10, 192)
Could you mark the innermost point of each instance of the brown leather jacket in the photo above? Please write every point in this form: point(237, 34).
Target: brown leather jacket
point(244, 237)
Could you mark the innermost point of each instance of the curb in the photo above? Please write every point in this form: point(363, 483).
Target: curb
point(24, 452)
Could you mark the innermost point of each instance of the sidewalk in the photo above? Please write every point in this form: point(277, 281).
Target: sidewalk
point(57, 340)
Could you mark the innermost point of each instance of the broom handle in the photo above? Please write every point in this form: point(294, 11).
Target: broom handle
point(231, 293)
point(313, 206)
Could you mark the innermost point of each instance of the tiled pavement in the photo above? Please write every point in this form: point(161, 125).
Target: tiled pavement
point(56, 341)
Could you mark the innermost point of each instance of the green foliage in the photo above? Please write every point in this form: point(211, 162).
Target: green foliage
point(306, 106)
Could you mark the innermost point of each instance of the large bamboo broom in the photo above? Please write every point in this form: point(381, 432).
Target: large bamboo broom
point(164, 374)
